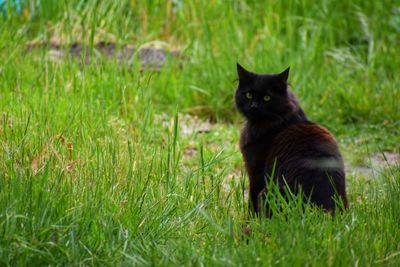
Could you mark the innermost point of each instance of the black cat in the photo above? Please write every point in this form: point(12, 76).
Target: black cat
point(278, 138)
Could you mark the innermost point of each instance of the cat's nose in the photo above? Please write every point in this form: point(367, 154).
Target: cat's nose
point(253, 105)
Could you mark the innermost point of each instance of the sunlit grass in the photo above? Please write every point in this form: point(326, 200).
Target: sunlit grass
point(97, 168)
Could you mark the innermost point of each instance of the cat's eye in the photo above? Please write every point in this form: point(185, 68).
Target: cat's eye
point(267, 98)
point(249, 96)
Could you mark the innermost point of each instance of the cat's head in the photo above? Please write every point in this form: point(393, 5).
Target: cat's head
point(263, 97)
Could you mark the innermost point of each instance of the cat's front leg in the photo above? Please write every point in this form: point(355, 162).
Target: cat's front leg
point(263, 205)
point(257, 186)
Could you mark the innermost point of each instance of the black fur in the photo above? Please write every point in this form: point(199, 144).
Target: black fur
point(277, 131)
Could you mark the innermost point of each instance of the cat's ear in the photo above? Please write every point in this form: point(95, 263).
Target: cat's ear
point(244, 75)
point(284, 75)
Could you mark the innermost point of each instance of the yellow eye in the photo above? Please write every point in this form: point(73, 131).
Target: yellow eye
point(267, 98)
point(249, 96)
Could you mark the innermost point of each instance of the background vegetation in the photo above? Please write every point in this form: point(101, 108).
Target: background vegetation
point(105, 164)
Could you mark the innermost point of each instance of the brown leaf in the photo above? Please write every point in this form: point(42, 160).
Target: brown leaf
point(71, 165)
point(61, 139)
point(35, 165)
point(10, 123)
point(70, 148)
point(246, 230)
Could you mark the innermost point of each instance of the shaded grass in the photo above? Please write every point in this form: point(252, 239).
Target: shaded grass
point(93, 163)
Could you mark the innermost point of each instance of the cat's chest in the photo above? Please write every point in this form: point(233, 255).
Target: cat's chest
point(255, 150)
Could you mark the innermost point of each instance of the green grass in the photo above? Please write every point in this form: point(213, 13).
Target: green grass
point(95, 165)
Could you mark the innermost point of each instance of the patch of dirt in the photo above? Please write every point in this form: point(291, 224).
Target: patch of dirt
point(374, 164)
point(192, 124)
point(385, 159)
point(190, 152)
point(150, 57)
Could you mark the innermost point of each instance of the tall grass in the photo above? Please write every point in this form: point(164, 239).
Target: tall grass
point(95, 168)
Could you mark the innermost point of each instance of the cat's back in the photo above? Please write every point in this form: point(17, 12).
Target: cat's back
point(307, 154)
point(305, 147)
point(303, 137)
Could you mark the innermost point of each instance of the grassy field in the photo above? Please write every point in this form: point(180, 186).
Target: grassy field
point(104, 164)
